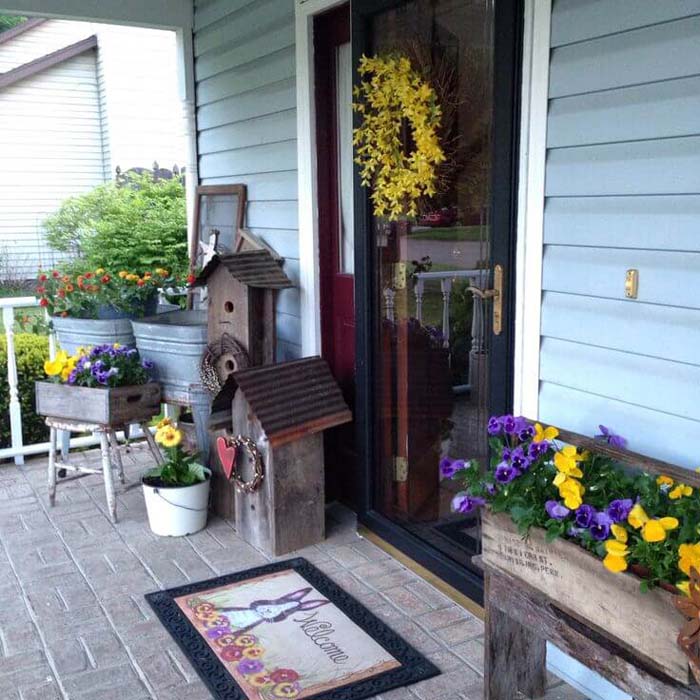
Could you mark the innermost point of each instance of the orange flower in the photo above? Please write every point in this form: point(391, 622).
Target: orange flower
point(140, 283)
point(88, 275)
point(70, 288)
point(191, 278)
point(61, 293)
point(65, 279)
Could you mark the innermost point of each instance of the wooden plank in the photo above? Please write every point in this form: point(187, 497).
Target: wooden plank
point(578, 583)
point(600, 272)
point(658, 222)
point(657, 110)
point(635, 57)
point(623, 375)
point(663, 166)
point(515, 659)
point(647, 430)
point(577, 20)
point(538, 613)
point(668, 332)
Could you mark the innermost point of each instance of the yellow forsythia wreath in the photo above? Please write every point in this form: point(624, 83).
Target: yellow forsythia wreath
point(392, 94)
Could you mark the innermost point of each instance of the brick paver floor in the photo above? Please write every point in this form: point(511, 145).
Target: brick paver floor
point(74, 623)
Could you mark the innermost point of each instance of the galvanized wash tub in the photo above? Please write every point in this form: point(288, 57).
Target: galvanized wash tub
point(73, 333)
point(175, 341)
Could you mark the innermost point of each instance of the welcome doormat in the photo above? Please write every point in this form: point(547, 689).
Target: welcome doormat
point(285, 630)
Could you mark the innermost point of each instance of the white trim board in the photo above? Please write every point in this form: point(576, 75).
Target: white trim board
point(309, 273)
point(530, 223)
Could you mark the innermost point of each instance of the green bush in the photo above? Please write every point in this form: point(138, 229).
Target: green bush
point(136, 226)
point(31, 351)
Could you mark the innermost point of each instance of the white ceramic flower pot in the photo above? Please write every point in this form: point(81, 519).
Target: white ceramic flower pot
point(177, 510)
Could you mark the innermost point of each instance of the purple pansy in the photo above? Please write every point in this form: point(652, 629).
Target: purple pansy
point(464, 502)
point(490, 489)
point(556, 510)
point(148, 364)
point(510, 425)
point(619, 509)
point(249, 666)
point(600, 527)
point(585, 515)
point(494, 426)
point(519, 459)
point(537, 449)
point(611, 438)
point(505, 473)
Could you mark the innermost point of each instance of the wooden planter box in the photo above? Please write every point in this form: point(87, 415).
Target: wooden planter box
point(115, 407)
point(646, 624)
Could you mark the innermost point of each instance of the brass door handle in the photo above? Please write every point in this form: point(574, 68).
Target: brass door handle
point(496, 294)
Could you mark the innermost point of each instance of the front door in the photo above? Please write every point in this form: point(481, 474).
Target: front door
point(437, 342)
point(333, 90)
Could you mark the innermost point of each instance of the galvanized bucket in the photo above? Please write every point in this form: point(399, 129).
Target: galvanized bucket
point(73, 333)
point(175, 342)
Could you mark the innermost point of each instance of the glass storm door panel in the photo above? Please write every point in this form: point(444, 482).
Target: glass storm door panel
point(434, 331)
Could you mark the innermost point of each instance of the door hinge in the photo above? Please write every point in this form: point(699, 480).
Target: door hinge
point(400, 275)
point(400, 469)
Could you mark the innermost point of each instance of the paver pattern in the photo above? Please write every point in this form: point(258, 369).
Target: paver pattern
point(74, 623)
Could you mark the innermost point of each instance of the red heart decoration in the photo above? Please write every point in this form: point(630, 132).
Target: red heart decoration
point(227, 455)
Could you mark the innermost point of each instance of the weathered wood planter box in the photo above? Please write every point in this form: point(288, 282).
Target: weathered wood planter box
point(115, 407)
point(576, 582)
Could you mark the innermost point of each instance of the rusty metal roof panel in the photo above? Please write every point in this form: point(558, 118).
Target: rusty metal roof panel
point(256, 268)
point(294, 399)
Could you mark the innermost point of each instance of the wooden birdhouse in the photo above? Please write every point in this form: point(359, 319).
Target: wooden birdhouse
point(241, 289)
point(284, 410)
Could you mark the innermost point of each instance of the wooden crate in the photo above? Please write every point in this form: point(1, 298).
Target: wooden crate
point(116, 407)
point(576, 582)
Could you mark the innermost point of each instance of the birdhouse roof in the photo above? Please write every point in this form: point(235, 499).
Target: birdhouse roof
point(293, 399)
point(255, 268)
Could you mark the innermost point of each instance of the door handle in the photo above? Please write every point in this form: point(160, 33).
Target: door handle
point(496, 294)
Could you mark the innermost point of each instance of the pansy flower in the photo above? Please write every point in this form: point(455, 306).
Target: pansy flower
point(250, 666)
point(464, 502)
point(608, 436)
point(616, 557)
point(544, 434)
point(505, 473)
point(619, 509)
point(600, 526)
point(556, 510)
point(584, 515)
point(566, 461)
point(679, 491)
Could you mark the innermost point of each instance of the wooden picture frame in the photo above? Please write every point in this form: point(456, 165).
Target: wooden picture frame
point(228, 202)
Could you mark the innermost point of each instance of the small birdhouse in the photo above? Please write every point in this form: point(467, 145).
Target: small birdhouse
point(241, 289)
point(284, 409)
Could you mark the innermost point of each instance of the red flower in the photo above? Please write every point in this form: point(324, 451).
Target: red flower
point(284, 675)
point(43, 302)
point(88, 275)
point(191, 278)
point(42, 278)
point(55, 274)
point(40, 289)
point(231, 653)
point(140, 283)
point(60, 293)
point(105, 279)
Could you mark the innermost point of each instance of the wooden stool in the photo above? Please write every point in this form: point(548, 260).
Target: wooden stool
point(109, 446)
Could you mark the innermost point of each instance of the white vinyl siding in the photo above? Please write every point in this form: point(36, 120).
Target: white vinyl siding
point(246, 120)
point(51, 146)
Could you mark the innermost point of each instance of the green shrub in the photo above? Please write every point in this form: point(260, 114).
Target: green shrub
point(136, 226)
point(31, 351)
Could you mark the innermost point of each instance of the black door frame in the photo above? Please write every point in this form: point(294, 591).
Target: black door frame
point(506, 119)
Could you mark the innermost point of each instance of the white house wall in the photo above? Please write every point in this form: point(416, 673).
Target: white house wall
point(51, 148)
point(623, 192)
point(246, 119)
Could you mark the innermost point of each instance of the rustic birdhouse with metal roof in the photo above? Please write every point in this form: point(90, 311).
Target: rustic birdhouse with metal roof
point(241, 292)
point(281, 411)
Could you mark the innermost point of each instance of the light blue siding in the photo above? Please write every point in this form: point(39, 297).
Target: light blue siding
point(246, 121)
point(623, 191)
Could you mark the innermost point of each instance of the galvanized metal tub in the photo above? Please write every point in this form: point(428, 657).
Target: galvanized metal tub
point(175, 342)
point(73, 333)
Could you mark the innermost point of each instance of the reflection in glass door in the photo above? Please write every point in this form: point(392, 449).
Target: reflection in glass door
point(432, 353)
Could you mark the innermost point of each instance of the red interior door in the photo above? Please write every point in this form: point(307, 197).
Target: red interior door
point(333, 96)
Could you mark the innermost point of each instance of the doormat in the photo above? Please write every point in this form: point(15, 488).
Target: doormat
point(285, 630)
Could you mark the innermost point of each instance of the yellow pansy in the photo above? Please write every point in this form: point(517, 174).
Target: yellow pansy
point(619, 532)
point(53, 367)
point(655, 530)
point(544, 434)
point(566, 461)
point(664, 480)
point(619, 549)
point(680, 491)
point(689, 557)
point(637, 517)
point(614, 563)
point(571, 491)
